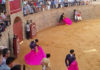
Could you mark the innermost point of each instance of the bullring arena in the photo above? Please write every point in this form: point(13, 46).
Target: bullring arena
point(55, 39)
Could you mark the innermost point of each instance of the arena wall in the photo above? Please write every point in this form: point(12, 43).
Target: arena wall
point(4, 42)
point(50, 18)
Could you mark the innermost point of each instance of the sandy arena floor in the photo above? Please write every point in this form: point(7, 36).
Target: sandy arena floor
point(84, 37)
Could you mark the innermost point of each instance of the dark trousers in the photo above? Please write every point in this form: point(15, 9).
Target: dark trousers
point(65, 4)
point(59, 5)
point(6, 22)
point(28, 34)
point(3, 7)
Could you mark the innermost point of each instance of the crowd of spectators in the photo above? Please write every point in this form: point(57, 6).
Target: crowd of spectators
point(2, 8)
point(2, 5)
point(34, 6)
point(4, 22)
point(4, 18)
point(7, 62)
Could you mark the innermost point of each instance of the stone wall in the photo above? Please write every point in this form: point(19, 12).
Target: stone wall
point(50, 18)
point(9, 30)
point(95, 1)
point(4, 38)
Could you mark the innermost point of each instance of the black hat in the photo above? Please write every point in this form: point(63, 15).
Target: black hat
point(71, 51)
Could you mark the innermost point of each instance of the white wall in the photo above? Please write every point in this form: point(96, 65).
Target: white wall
point(96, 2)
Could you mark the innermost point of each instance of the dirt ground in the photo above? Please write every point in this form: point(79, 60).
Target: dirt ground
point(84, 37)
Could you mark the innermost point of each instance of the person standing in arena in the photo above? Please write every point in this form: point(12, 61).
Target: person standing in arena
point(27, 27)
point(70, 61)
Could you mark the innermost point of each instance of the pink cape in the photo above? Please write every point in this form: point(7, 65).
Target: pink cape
point(34, 58)
point(67, 21)
point(73, 66)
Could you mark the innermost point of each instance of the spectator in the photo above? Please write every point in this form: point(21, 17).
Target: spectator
point(6, 54)
point(46, 62)
point(82, 2)
point(77, 15)
point(74, 15)
point(30, 21)
point(9, 64)
point(41, 5)
point(32, 6)
point(56, 3)
point(44, 6)
point(5, 19)
point(1, 19)
point(0, 6)
point(77, 2)
point(62, 3)
point(65, 3)
point(27, 30)
point(59, 3)
point(0, 28)
point(3, 6)
point(16, 67)
point(30, 10)
point(71, 2)
point(52, 3)
point(3, 25)
point(25, 10)
point(49, 4)
point(35, 5)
